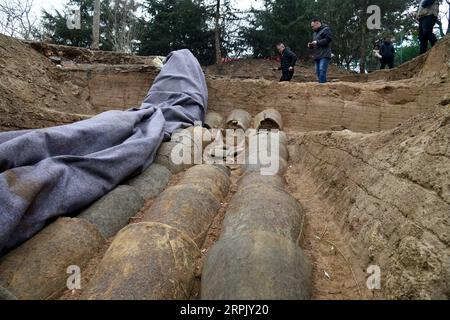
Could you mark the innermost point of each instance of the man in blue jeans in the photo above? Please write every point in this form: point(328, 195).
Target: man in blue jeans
point(321, 48)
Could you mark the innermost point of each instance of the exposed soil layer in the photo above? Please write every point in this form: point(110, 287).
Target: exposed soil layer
point(85, 56)
point(361, 107)
point(30, 80)
point(36, 93)
point(337, 272)
point(33, 93)
point(265, 69)
point(389, 194)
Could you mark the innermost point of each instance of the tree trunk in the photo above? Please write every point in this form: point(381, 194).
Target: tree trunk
point(96, 26)
point(441, 28)
point(448, 13)
point(363, 49)
point(348, 64)
point(217, 34)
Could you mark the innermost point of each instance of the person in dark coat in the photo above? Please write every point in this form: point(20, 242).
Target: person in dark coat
point(387, 52)
point(288, 61)
point(428, 16)
point(321, 47)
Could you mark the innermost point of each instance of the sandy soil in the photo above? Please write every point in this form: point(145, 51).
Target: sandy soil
point(336, 271)
point(388, 193)
point(264, 69)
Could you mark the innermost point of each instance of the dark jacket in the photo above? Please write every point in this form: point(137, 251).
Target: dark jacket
point(427, 3)
point(387, 50)
point(288, 59)
point(324, 37)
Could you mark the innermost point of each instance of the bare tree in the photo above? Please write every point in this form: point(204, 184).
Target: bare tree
point(363, 48)
point(17, 18)
point(444, 15)
point(125, 25)
point(217, 33)
point(96, 26)
point(441, 28)
point(448, 16)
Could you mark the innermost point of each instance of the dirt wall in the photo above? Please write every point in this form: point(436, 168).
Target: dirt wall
point(112, 87)
point(313, 107)
point(33, 93)
point(30, 81)
point(390, 194)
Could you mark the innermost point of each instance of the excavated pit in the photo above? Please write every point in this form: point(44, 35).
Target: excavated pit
point(369, 156)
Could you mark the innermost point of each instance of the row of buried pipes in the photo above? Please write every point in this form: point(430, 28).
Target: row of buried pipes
point(256, 257)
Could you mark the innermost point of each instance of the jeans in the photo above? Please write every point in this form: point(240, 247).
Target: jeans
point(322, 69)
point(426, 34)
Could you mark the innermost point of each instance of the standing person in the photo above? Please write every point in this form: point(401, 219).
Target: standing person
point(375, 59)
point(288, 61)
point(387, 52)
point(428, 16)
point(376, 52)
point(321, 48)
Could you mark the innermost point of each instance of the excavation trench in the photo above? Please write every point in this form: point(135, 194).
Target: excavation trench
point(368, 161)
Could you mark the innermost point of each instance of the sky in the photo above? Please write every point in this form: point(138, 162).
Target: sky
point(241, 4)
point(49, 4)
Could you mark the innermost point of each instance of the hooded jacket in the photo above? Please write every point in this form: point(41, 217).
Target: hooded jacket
point(387, 50)
point(324, 37)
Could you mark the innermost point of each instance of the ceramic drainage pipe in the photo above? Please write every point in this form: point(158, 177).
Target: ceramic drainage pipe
point(239, 119)
point(37, 270)
point(256, 266)
point(152, 182)
point(189, 208)
point(146, 261)
point(214, 120)
point(113, 212)
point(269, 119)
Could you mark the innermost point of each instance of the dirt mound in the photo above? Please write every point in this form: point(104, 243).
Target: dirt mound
point(33, 92)
point(264, 69)
point(390, 194)
point(436, 67)
point(430, 67)
point(36, 92)
point(86, 56)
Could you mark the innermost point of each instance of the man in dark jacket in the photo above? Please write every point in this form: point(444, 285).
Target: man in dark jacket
point(321, 48)
point(387, 52)
point(288, 61)
point(428, 16)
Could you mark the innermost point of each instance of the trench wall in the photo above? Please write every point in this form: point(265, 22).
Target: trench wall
point(365, 108)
